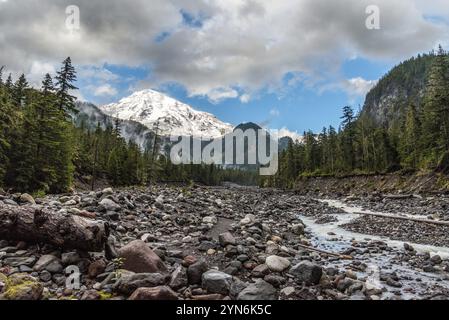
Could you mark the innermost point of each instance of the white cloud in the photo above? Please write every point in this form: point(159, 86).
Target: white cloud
point(97, 73)
point(219, 94)
point(38, 71)
point(354, 87)
point(358, 86)
point(284, 132)
point(240, 47)
point(105, 90)
point(245, 98)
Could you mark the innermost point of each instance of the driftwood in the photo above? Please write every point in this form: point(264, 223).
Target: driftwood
point(328, 253)
point(401, 196)
point(421, 220)
point(42, 226)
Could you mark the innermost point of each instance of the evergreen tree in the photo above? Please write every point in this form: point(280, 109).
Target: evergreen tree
point(409, 140)
point(435, 138)
point(9, 84)
point(19, 91)
point(65, 84)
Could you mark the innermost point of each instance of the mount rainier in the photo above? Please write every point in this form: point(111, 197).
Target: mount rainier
point(171, 117)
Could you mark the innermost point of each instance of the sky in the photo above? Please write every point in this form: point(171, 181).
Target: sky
point(290, 64)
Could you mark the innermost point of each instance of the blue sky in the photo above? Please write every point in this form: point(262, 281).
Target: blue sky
point(298, 107)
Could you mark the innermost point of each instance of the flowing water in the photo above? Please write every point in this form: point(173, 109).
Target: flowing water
point(332, 237)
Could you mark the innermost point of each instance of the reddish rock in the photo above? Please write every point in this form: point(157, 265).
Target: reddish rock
point(96, 268)
point(189, 260)
point(139, 258)
point(156, 293)
point(87, 214)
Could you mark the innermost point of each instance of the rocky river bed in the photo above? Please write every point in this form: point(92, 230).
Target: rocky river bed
point(200, 243)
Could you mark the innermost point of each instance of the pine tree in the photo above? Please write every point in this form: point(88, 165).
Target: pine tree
point(19, 91)
point(409, 140)
point(435, 139)
point(9, 84)
point(64, 80)
point(1, 75)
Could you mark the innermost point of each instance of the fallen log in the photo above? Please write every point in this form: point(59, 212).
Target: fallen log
point(398, 196)
point(328, 253)
point(62, 230)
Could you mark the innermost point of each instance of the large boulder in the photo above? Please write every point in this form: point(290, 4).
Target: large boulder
point(26, 198)
point(277, 264)
point(216, 282)
point(22, 287)
point(260, 290)
point(156, 293)
point(307, 272)
point(139, 258)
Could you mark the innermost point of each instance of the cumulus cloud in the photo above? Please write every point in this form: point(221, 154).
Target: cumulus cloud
point(358, 86)
point(284, 132)
point(105, 90)
point(247, 45)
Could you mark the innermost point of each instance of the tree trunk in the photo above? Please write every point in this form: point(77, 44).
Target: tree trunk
point(64, 231)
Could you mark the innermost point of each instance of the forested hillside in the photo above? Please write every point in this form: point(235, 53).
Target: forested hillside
point(404, 126)
point(45, 147)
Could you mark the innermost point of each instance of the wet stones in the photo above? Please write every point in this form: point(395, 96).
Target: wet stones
point(436, 260)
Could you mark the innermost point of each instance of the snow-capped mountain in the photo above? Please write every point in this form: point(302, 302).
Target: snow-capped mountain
point(156, 110)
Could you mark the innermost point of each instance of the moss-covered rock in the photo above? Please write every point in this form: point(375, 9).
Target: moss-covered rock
point(22, 287)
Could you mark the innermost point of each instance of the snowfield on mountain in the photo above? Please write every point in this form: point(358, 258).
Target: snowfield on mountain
point(169, 116)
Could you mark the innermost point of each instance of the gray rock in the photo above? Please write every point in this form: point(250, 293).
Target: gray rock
point(277, 264)
point(109, 205)
point(10, 202)
point(216, 282)
point(178, 278)
point(261, 290)
point(50, 263)
point(19, 261)
point(436, 259)
point(45, 276)
point(70, 258)
point(307, 272)
point(195, 272)
point(226, 238)
point(298, 229)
